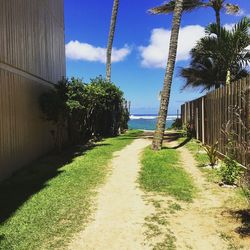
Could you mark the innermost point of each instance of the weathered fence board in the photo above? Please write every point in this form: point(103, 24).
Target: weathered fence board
point(224, 109)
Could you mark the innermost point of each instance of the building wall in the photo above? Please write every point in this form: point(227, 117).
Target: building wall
point(32, 59)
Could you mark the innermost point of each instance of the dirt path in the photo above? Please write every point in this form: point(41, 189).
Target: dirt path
point(127, 218)
point(118, 222)
point(202, 224)
point(199, 223)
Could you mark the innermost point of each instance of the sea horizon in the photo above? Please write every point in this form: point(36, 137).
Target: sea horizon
point(148, 121)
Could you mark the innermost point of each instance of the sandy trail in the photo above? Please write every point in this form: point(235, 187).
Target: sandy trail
point(118, 221)
point(204, 224)
point(201, 224)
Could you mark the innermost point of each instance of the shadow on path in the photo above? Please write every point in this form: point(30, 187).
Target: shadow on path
point(244, 217)
point(169, 136)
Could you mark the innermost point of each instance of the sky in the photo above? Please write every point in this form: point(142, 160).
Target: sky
point(140, 47)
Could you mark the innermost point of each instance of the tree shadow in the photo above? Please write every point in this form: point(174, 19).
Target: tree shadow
point(168, 135)
point(182, 144)
point(244, 216)
point(31, 179)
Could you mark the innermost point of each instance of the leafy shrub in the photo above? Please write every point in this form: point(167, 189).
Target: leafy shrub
point(53, 105)
point(95, 109)
point(212, 153)
point(188, 130)
point(230, 171)
point(177, 124)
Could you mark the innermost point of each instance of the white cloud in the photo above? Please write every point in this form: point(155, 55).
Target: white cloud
point(241, 13)
point(155, 54)
point(229, 26)
point(76, 50)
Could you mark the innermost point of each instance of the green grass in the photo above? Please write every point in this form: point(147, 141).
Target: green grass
point(202, 159)
point(45, 204)
point(162, 172)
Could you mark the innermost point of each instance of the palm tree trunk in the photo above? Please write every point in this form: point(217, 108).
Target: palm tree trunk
point(218, 22)
point(111, 38)
point(165, 94)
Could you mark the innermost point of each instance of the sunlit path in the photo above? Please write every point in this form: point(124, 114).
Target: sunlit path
point(118, 222)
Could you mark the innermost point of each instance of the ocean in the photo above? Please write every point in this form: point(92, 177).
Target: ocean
point(148, 122)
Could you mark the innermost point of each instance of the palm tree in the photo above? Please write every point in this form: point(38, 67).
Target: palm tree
point(218, 6)
point(190, 5)
point(111, 38)
point(220, 57)
point(170, 7)
point(165, 94)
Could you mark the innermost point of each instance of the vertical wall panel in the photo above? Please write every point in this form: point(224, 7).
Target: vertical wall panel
point(32, 59)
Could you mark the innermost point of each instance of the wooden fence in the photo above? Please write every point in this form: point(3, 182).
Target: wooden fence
point(222, 112)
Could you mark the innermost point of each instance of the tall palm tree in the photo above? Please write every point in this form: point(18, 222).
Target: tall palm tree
point(218, 6)
point(220, 57)
point(111, 38)
point(165, 94)
point(176, 6)
point(190, 5)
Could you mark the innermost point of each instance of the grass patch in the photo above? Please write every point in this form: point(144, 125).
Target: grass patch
point(167, 244)
point(174, 207)
point(43, 205)
point(162, 172)
point(202, 159)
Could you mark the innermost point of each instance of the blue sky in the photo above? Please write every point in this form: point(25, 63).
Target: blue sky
point(140, 53)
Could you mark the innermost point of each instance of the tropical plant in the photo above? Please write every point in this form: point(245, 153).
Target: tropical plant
point(220, 57)
point(188, 130)
point(177, 7)
point(212, 153)
point(190, 5)
point(54, 107)
point(237, 146)
point(111, 38)
point(165, 94)
point(218, 6)
point(177, 124)
point(231, 171)
point(86, 110)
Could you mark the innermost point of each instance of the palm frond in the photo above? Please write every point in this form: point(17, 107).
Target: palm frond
point(232, 9)
point(215, 54)
point(168, 7)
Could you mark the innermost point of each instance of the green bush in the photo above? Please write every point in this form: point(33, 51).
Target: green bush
point(177, 124)
point(188, 130)
point(230, 171)
point(212, 153)
point(53, 105)
point(96, 109)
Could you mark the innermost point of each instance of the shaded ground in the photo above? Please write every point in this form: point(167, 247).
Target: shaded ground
point(32, 179)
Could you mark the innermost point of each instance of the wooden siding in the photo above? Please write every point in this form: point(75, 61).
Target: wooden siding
point(32, 59)
point(210, 114)
point(32, 37)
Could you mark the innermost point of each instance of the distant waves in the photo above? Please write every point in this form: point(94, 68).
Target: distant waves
point(148, 122)
point(151, 117)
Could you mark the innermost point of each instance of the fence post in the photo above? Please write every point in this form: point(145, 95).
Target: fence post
point(185, 113)
point(203, 119)
point(247, 156)
point(197, 123)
